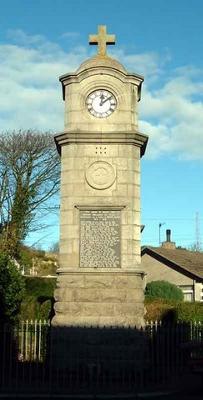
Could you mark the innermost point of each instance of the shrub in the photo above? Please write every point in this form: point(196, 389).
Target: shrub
point(32, 309)
point(156, 309)
point(163, 290)
point(11, 289)
point(37, 286)
point(190, 312)
point(162, 310)
point(38, 300)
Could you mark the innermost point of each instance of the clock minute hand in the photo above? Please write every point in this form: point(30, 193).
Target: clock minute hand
point(104, 101)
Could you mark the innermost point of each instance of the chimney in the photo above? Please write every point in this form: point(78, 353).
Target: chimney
point(168, 244)
point(168, 235)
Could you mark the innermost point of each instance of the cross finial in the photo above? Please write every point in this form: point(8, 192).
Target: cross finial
point(102, 39)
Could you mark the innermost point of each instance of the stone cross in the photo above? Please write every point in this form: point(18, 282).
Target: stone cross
point(102, 39)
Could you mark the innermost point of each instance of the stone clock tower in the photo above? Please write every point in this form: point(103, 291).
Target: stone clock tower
point(99, 280)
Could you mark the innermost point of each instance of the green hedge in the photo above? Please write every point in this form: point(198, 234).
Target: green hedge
point(173, 311)
point(38, 286)
point(190, 311)
point(163, 290)
point(39, 298)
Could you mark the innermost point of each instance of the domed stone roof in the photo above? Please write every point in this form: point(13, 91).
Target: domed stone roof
point(101, 61)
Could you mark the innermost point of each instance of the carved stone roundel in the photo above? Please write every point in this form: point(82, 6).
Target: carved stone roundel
point(100, 175)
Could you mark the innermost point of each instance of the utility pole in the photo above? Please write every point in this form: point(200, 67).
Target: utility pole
point(197, 229)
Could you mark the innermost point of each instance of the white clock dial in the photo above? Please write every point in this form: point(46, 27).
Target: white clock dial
point(101, 103)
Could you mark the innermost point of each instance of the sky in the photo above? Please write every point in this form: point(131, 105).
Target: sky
point(162, 40)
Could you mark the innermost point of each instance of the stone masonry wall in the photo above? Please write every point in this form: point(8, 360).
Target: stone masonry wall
point(125, 191)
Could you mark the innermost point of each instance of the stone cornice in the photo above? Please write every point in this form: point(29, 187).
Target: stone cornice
point(134, 138)
point(72, 77)
point(100, 271)
point(76, 77)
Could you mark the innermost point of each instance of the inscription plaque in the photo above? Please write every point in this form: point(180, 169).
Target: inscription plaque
point(100, 238)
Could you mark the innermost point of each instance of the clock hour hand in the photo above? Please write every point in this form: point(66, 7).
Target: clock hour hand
point(101, 99)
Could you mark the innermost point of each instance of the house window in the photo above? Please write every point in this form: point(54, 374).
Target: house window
point(188, 292)
point(188, 296)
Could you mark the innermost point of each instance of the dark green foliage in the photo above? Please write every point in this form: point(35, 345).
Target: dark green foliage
point(11, 289)
point(162, 310)
point(39, 298)
point(163, 290)
point(190, 311)
point(37, 287)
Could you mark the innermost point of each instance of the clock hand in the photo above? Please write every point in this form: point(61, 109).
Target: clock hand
point(104, 101)
point(101, 98)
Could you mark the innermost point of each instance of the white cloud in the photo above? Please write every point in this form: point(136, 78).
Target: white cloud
point(29, 87)
point(70, 35)
point(171, 109)
point(178, 106)
point(143, 64)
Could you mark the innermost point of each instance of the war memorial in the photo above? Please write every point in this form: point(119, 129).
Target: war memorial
point(100, 281)
point(97, 345)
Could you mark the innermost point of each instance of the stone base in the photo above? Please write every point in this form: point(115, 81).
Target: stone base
point(99, 299)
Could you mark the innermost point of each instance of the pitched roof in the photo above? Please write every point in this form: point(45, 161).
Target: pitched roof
point(188, 262)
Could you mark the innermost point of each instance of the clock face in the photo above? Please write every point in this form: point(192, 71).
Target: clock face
point(101, 103)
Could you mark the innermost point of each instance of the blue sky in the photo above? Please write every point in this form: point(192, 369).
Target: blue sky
point(41, 40)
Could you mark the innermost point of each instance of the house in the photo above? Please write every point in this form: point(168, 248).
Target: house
point(179, 266)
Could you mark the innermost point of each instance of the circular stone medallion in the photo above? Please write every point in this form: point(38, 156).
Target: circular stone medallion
point(100, 175)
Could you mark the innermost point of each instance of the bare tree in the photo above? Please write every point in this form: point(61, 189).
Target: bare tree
point(29, 178)
point(54, 248)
